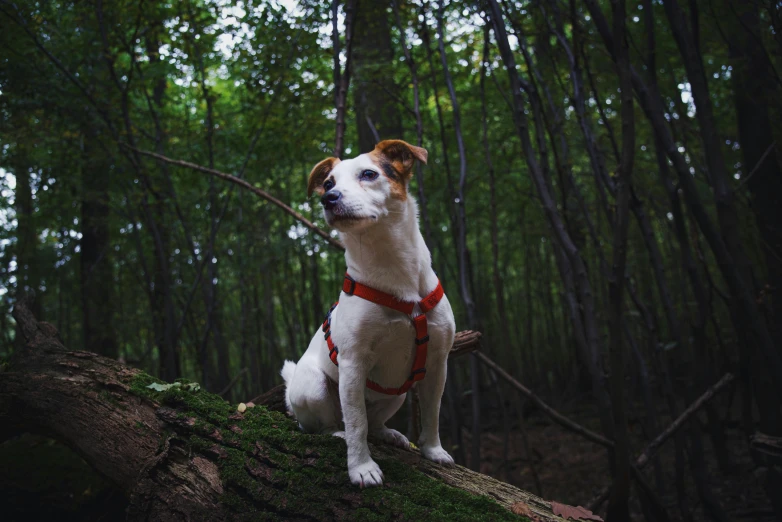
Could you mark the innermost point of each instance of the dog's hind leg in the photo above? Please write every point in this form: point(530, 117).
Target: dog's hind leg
point(314, 399)
point(378, 413)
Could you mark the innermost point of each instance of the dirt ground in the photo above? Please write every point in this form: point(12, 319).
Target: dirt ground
point(573, 470)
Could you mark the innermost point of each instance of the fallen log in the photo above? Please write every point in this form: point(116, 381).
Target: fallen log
point(179, 453)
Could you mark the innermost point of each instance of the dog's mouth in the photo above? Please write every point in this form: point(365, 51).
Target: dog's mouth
point(341, 214)
point(346, 217)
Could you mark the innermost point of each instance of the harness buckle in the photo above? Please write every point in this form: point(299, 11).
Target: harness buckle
point(422, 340)
point(352, 285)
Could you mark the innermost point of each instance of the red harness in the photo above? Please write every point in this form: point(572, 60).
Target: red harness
point(351, 287)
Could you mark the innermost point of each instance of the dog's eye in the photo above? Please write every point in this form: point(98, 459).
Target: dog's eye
point(368, 175)
point(328, 185)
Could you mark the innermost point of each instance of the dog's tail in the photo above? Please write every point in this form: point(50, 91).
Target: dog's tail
point(288, 369)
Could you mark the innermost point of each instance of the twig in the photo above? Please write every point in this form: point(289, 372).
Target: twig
point(652, 448)
point(373, 129)
point(757, 166)
point(233, 381)
point(244, 184)
point(563, 421)
point(548, 410)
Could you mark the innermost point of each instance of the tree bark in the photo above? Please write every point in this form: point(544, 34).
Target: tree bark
point(186, 454)
point(27, 270)
point(377, 114)
point(97, 280)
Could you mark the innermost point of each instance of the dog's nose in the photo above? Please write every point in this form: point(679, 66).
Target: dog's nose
point(330, 198)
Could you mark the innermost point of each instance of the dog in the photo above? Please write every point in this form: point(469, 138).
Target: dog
point(366, 200)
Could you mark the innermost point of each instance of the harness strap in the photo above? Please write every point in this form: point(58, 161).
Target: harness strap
point(351, 287)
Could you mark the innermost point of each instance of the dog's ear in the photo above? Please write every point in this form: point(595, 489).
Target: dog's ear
point(319, 174)
point(401, 155)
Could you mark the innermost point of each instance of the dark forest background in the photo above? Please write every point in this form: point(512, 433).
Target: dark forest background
point(602, 201)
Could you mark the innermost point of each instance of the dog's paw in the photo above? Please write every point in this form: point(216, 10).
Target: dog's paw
point(366, 475)
point(437, 454)
point(393, 437)
point(340, 434)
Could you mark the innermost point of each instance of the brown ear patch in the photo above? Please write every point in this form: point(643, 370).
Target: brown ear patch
point(396, 159)
point(319, 175)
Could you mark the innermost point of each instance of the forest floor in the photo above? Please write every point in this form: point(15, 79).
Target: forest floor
point(573, 470)
point(42, 480)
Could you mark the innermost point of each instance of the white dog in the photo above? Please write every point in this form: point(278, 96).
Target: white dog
point(377, 333)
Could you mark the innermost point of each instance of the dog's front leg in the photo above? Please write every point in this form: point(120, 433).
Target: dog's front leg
point(430, 394)
point(362, 469)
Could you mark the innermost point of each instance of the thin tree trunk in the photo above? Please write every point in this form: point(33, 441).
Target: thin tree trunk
point(97, 278)
point(341, 87)
point(419, 127)
point(618, 503)
point(27, 263)
point(751, 321)
point(570, 263)
point(754, 89)
point(499, 288)
point(461, 245)
point(426, 39)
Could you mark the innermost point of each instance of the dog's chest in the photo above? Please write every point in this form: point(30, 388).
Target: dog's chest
point(387, 338)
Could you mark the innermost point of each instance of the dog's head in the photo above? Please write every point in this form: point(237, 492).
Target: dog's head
point(359, 192)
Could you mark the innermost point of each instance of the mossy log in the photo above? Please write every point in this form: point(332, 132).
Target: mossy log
point(185, 454)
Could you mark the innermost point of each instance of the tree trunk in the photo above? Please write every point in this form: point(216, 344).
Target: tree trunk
point(97, 279)
point(754, 89)
point(579, 293)
point(342, 79)
point(617, 505)
point(27, 271)
point(419, 128)
point(187, 454)
point(377, 115)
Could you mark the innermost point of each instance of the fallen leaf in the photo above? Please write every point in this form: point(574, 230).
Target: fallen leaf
point(520, 508)
point(189, 386)
point(576, 513)
point(159, 387)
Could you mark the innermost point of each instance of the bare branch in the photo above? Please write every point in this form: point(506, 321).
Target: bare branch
point(244, 184)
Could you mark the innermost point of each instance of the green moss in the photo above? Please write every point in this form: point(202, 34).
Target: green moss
point(299, 469)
